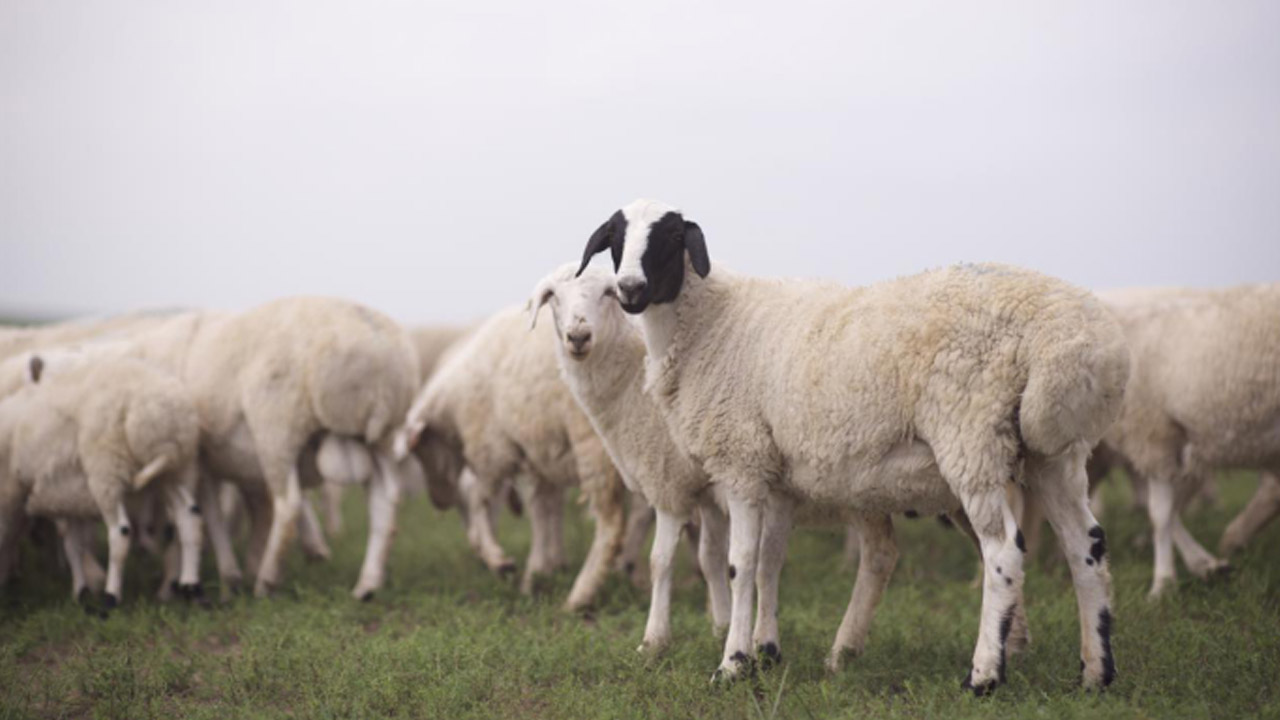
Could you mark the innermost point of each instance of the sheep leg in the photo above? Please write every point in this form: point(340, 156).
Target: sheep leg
point(774, 535)
point(256, 504)
point(94, 574)
point(542, 508)
point(1199, 561)
point(1262, 508)
point(171, 560)
point(852, 547)
point(1161, 507)
point(118, 531)
point(713, 557)
point(186, 515)
point(1032, 523)
point(332, 494)
point(996, 525)
point(640, 517)
point(310, 536)
point(285, 507)
point(657, 631)
point(384, 495)
point(610, 524)
point(476, 514)
point(225, 555)
point(69, 530)
point(879, 555)
point(1062, 486)
point(553, 525)
point(745, 528)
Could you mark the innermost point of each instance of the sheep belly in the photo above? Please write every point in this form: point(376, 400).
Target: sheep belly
point(62, 493)
point(232, 454)
point(905, 478)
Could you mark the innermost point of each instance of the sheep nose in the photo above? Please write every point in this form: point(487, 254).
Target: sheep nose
point(579, 338)
point(632, 287)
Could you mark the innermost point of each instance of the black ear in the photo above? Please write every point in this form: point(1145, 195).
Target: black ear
point(696, 244)
point(605, 236)
point(36, 367)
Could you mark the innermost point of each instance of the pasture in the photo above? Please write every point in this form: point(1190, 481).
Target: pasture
point(446, 639)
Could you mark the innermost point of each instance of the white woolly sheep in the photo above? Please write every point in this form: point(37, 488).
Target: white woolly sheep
point(288, 393)
point(497, 406)
point(1204, 395)
point(922, 393)
point(88, 434)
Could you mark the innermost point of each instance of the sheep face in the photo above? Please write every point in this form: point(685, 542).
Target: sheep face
point(583, 308)
point(648, 241)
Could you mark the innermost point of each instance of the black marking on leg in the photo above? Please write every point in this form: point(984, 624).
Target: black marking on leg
point(124, 530)
point(367, 597)
point(770, 655)
point(1020, 541)
point(169, 532)
point(978, 690)
point(84, 596)
point(195, 509)
point(1089, 561)
point(912, 514)
point(1006, 625)
point(1008, 581)
point(1099, 548)
point(733, 572)
point(1104, 635)
point(507, 569)
point(630, 567)
point(999, 570)
point(110, 601)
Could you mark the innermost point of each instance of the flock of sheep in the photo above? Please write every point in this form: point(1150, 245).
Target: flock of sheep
point(733, 404)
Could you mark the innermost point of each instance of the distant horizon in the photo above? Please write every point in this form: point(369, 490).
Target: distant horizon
point(434, 161)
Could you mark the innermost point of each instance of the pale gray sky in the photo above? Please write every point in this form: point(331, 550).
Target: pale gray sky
point(435, 159)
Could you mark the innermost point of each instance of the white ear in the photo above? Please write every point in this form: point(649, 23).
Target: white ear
point(542, 294)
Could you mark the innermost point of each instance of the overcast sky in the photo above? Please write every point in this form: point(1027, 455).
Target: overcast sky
point(434, 159)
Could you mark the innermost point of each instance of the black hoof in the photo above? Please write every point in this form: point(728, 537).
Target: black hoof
point(175, 589)
point(110, 602)
point(507, 570)
point(770, 655)
point(84, 597)
point(191, 592)
point(981, 690)
point(1222, 572)
point(367, 597)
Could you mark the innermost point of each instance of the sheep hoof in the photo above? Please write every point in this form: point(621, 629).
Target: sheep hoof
point(506, 570)
point(651, 648)
point(262, 589)
point(769, 654)
point(739, 666)
point(982, 689)
point(194, 591)
point(367, 596)
point(110, 601)
point(84, 597)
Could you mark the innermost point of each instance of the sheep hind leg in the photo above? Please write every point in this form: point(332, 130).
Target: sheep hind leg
point(640, 518)
point(215, 524)
point(69, 530)
point(1161, 506)
point(118, 531)
point(1062, 485)
point(996, 527)
point(775, 533)
point(1200, 562)
point(542, 507)
point(1262, 509)
point(657, 631)
point(384, 496)
point(310, 534)
point(185, 513)
point(285, 507)
point(877, 556)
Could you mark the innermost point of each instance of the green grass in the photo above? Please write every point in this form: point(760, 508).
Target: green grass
point(448, 640)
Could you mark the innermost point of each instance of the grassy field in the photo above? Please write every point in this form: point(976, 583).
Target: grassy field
point(448, 640)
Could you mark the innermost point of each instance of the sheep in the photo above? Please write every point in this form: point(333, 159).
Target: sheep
point(87, 435)
point(289, 393)
point(497, 406)
point(602, 361)
point(926, 393)
point(1205, 395)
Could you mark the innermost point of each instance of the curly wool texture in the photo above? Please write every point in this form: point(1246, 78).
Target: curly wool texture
point(88, 431)
point(497, 402)
point(1205, 391)
point(824, 390)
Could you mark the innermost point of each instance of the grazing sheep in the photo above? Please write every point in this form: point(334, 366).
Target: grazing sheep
point(924, 393)
point(288, 393)
point(1204, 395)
point(86, 435)
point(497, 406)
